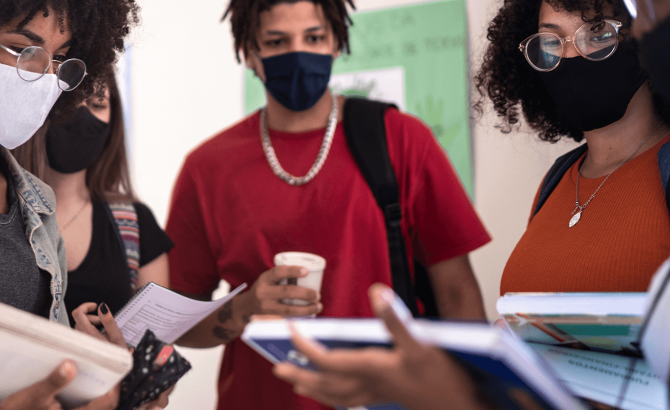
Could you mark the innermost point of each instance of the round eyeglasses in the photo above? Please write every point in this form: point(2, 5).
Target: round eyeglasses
point(33, 62)
point(593, 41)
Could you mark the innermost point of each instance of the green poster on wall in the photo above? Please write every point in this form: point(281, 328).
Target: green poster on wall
point(414, 56)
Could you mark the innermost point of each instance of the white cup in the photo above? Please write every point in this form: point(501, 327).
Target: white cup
point(313, 263)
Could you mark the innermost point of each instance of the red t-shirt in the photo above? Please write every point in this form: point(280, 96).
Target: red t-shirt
point(230, 215)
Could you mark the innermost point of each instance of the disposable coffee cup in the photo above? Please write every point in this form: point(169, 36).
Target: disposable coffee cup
point(314, 265)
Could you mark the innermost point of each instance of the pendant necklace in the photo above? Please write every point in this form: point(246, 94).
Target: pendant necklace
point(577, 212)
point(320, 158)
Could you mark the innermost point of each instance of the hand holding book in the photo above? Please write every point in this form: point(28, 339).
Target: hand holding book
point(413, 374)
point(42, 395)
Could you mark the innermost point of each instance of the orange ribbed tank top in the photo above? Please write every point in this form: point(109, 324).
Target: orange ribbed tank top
point(620, 241)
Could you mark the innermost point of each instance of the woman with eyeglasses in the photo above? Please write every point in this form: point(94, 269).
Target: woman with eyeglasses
point(52, 56)
point(113, 243)
point(600, 223)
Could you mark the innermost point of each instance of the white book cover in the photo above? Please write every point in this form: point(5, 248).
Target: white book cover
point(31, 347)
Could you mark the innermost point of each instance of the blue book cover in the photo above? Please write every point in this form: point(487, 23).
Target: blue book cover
point(504, 368)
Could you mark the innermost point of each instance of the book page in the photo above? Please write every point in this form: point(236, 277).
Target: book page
point(618, 381)
point(167, 313)
point(612, 334)
point(656, 335)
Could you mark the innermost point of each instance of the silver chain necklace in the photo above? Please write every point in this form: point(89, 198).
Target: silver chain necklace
point(320, 158)
point(577, 212)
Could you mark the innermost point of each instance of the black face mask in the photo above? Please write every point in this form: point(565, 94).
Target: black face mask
point(76, 144)
point(594, 94)
point(655, 54)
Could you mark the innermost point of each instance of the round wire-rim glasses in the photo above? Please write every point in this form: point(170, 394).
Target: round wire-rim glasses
point(543, 53)
point(33, 62)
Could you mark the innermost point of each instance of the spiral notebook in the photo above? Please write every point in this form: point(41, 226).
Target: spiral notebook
point(165, 312)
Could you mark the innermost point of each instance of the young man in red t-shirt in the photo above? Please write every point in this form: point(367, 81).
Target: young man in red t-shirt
point(234, 207)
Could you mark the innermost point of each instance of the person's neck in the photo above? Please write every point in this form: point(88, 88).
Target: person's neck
point(70, 189)
point(281, 118)
point(610, 145)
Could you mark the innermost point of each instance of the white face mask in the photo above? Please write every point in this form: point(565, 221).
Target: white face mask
point(24, 105)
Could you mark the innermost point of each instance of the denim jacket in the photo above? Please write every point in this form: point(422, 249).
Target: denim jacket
point(38, 208)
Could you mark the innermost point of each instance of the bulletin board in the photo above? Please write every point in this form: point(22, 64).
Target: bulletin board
point(414, 56)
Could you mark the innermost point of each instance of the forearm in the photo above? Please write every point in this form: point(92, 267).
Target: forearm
point(221, 326)
point(456, 289)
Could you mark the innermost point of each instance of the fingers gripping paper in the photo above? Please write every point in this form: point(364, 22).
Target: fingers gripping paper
point(166, 313)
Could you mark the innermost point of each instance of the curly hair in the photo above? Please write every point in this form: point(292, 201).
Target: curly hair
point(509, 81)
point(98, 29)
point(244, 18)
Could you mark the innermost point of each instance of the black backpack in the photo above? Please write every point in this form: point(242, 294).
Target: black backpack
point(365, 131)
point(564, 162)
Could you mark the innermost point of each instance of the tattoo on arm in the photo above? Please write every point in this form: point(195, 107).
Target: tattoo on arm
point(226, 335)
point(226, 312)
point(246, 317)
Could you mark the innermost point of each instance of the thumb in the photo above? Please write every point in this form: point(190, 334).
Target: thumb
point(60, 377)
point(383, 298)
point(42, 394)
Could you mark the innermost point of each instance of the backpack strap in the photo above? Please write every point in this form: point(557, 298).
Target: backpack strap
point(128, 234)
point(365, 131)
point(555, 173)
point(664, 168)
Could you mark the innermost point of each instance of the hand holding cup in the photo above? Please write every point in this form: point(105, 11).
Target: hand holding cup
point(280, 283)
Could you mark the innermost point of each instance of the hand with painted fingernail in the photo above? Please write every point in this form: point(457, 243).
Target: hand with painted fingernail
point(87, 322)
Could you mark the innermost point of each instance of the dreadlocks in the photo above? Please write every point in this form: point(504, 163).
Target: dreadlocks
point(244, 17)
point(98, 28)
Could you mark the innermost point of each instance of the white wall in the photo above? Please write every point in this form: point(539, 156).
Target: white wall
point(186, 85)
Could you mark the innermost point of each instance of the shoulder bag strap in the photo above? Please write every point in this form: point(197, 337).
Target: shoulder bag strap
point(555, 173)
point(664, 168)
point(365, 131)
point(128, 233)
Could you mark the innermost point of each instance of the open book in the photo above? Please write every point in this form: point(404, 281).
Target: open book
point(504, 367)
point(31, 347)
point(165, 312)
point(613, 348)
point(655, 331)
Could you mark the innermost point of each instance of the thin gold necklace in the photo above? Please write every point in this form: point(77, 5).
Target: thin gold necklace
point(577, 212)
point(61, 230)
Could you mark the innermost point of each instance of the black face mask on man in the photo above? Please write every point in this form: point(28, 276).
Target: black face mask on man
point(594, 94)
point(298, 79)
point(76, 144)
point(655, 54)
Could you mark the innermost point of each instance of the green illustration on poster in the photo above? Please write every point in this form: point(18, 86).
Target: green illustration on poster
point(414, 56)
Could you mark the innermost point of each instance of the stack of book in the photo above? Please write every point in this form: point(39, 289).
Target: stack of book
point(612, 348)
